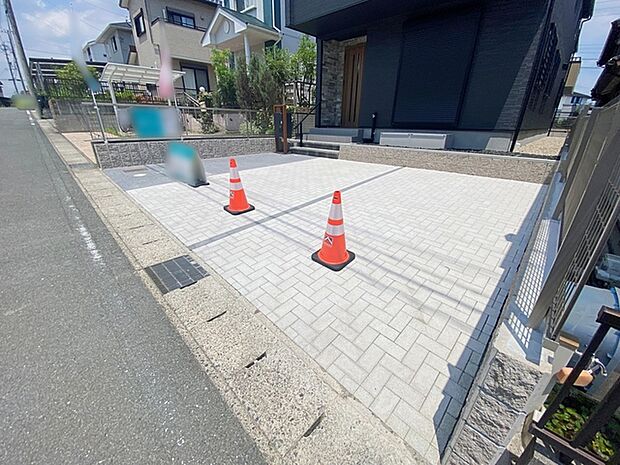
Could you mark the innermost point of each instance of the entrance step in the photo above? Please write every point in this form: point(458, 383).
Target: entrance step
point(418, 140)
point(318, 144)
point(314, 152)
point(344, 135)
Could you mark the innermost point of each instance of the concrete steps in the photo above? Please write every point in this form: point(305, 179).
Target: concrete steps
point(336, 135)
point(316, 149)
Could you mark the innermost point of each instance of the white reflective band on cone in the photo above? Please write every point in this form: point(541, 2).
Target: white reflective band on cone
point(235, 186)
point(234, 174)
point(335, 213)
point(335, 230)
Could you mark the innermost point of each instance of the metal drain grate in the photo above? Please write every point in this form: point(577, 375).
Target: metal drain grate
point(177, 273)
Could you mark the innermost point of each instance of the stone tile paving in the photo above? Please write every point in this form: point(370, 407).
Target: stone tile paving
point(404, 326)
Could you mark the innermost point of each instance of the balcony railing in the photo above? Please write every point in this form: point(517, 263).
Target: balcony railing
point(177, 23)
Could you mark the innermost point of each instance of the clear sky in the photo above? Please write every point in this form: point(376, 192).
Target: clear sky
point(47, 31)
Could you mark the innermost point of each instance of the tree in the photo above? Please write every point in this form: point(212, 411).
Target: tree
point(71, 72)
point(278, 61)
point(246, 95)
point(72, 82)
point(266, 91)
point(257, 89)
point(225, 94)
point(303, 70)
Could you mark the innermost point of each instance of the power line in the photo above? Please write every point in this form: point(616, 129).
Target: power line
point(90, 2)
point(5, 49)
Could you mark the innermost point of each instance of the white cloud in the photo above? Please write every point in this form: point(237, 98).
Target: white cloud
point(59, 29)
point(56, 23)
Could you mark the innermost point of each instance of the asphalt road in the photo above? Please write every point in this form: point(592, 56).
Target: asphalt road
point(91, 370)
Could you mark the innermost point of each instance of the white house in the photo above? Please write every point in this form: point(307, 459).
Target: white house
point(115, 44)
point(93, 51)
point(570, 104)
point(249, 26)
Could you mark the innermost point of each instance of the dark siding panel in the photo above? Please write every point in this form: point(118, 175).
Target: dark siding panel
point(381, 72)
point(436, 56)
point(505, 55)
point(564, 19)
point(302, 11)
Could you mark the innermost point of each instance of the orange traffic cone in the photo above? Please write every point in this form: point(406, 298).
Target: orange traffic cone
point(334, 254)
point(237, 203)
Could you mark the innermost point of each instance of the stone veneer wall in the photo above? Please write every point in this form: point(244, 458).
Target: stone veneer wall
point(492, 166)
point(141, 152)
point(331, 79)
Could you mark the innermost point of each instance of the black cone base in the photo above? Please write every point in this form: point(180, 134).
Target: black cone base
point(338, 267)
point(233, 212)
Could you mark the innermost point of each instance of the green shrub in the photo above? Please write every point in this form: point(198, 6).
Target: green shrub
point(573, 414)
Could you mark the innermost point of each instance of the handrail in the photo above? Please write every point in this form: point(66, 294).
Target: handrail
point(191, 99)
point(299, 126)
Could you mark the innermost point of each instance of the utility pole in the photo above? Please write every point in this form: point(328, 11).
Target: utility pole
point(12, 45)
point(5, 49)
point(21, 54)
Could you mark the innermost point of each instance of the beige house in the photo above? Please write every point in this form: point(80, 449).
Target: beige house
point(179, 24)
point(192, 28)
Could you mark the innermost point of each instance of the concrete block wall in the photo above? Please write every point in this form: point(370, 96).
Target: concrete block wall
point(119, 153)
point(493, 166)
point(73, 116)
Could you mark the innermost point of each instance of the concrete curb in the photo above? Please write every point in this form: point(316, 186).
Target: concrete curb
point(294, 411)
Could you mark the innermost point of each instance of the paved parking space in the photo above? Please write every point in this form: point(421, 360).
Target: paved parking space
point(404, 326)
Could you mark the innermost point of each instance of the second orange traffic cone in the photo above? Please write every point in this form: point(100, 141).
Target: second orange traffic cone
point(237, 202)
point(334, 254)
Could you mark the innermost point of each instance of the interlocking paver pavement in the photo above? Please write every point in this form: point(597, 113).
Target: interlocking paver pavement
point(404, 326)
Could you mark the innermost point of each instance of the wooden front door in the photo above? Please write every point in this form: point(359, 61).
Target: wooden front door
point(352, 85)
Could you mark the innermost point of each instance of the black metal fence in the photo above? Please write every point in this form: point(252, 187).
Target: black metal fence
point(125, 92)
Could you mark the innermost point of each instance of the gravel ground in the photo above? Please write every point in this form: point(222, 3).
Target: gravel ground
point(550, 145)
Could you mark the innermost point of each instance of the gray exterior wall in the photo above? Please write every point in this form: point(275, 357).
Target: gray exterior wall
point(119, 153)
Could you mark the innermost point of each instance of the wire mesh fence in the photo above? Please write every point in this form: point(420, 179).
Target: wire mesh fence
point(109, 120)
